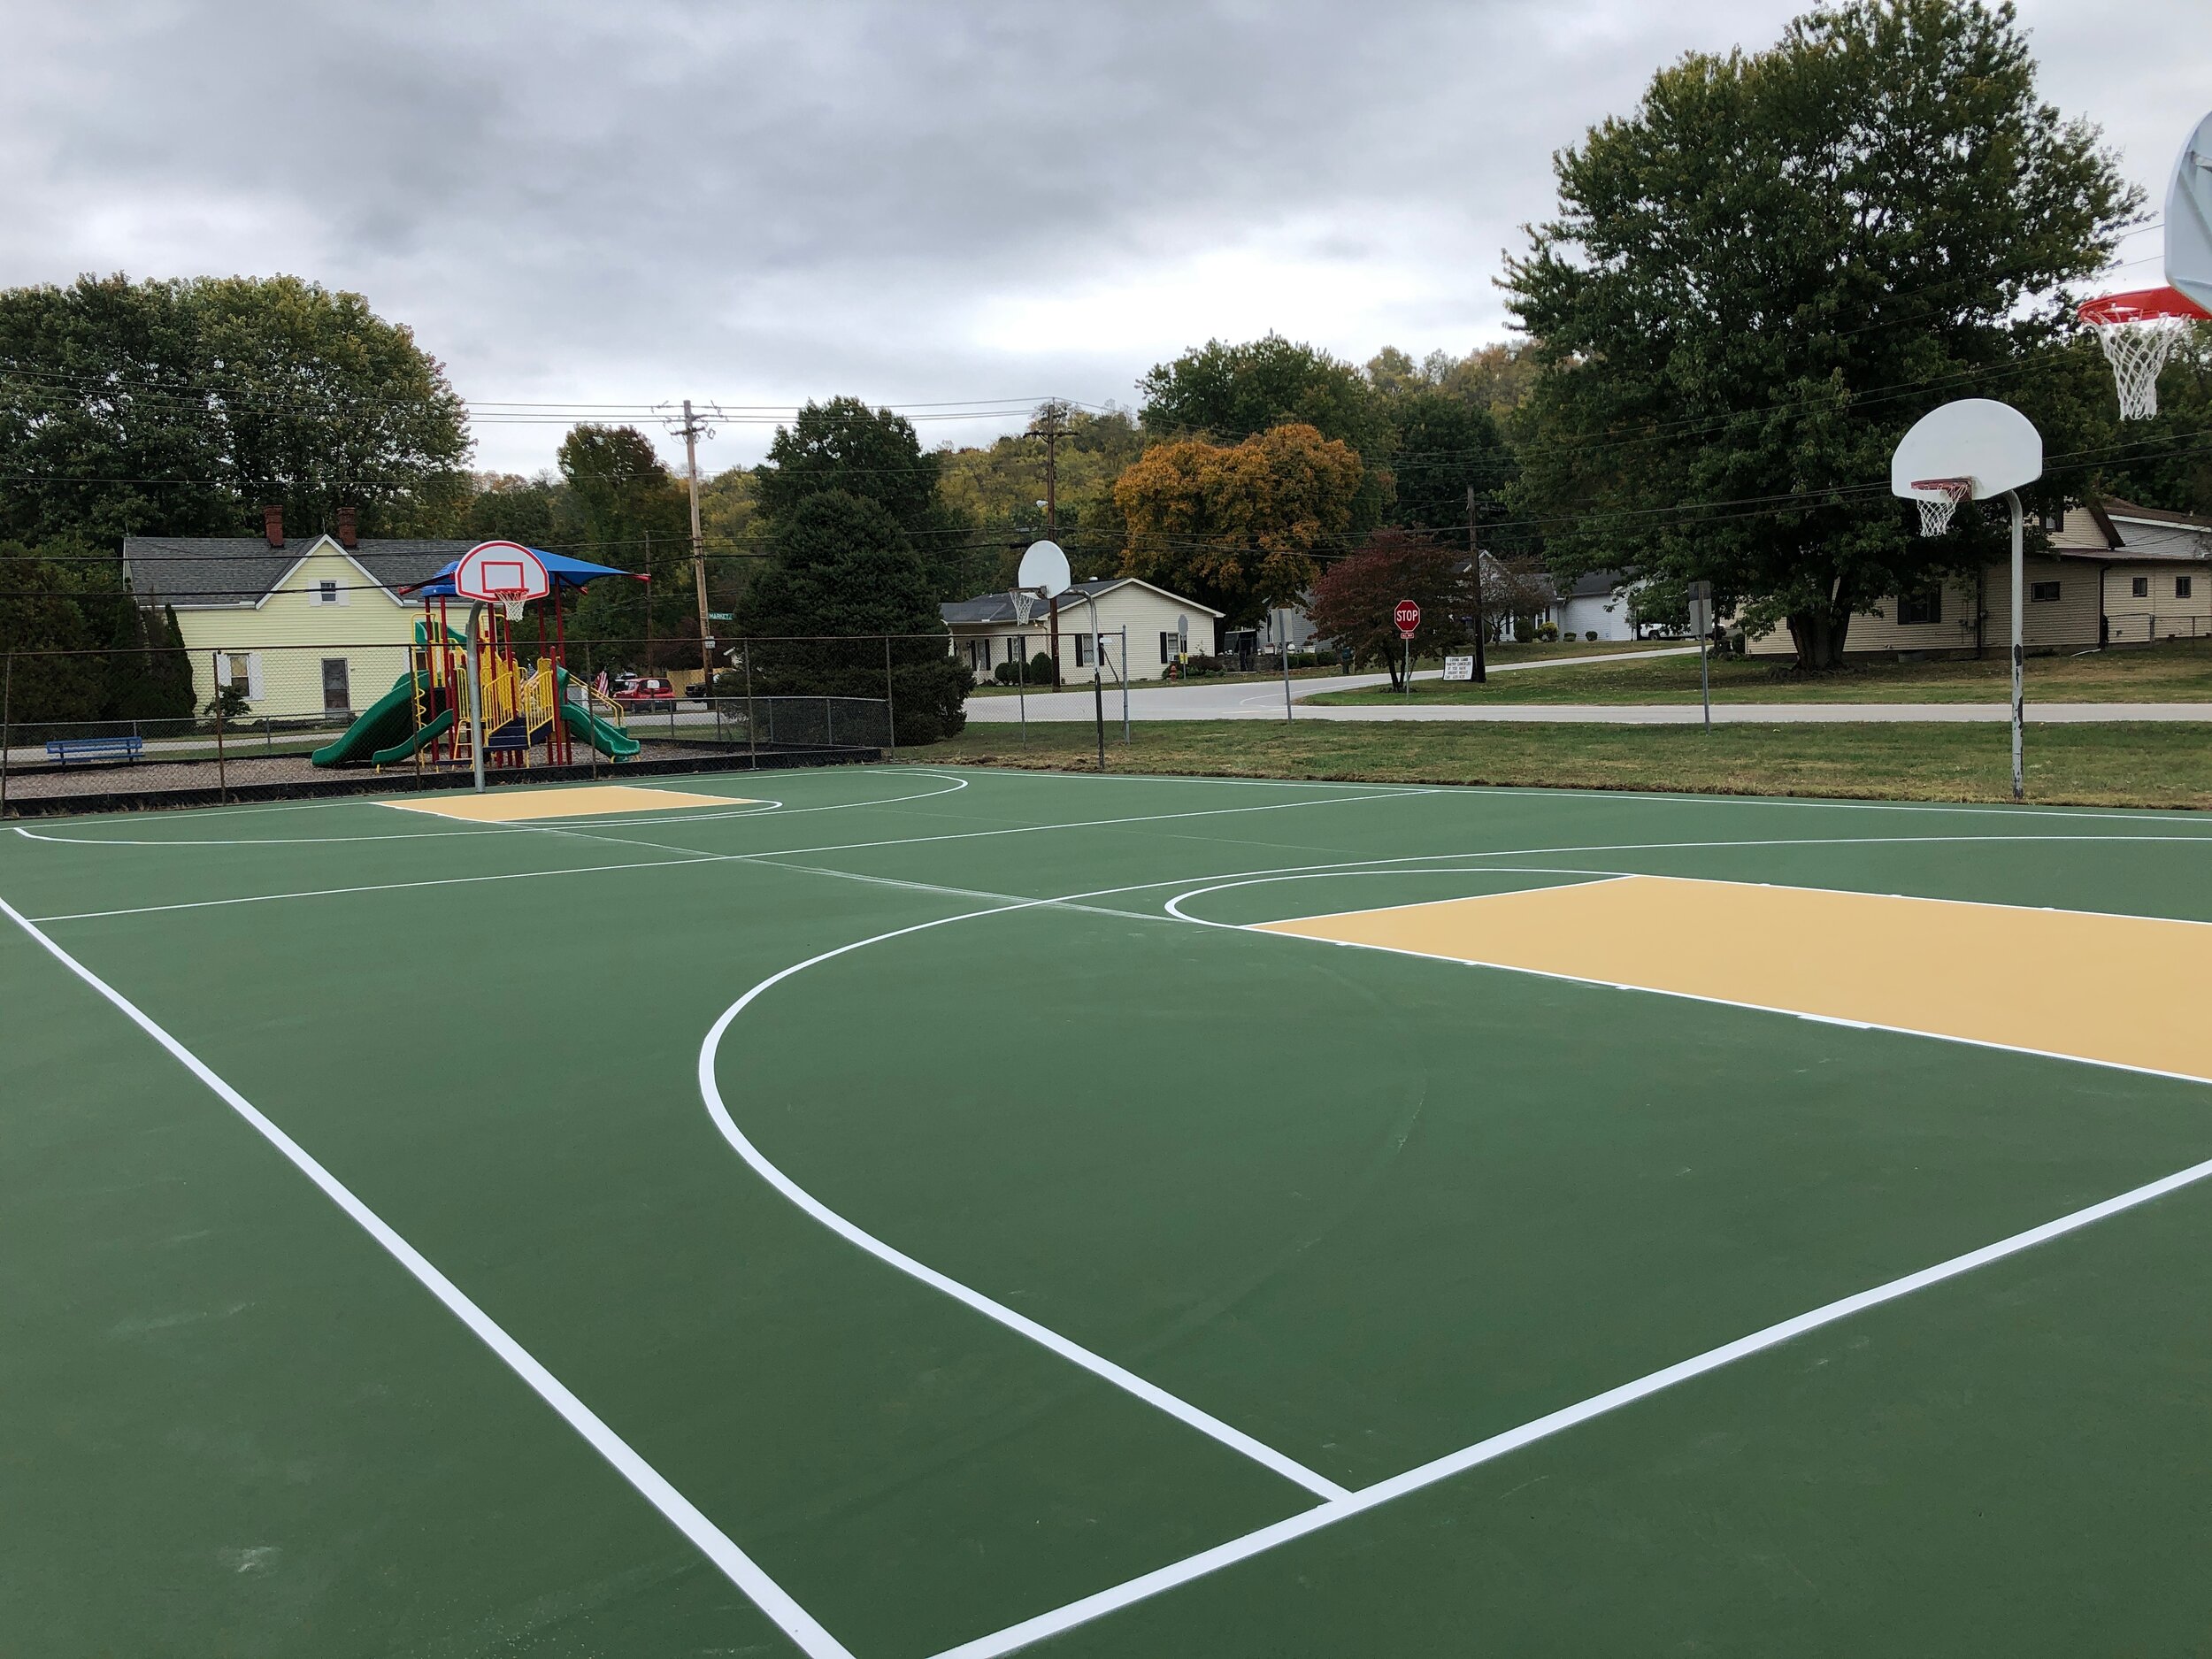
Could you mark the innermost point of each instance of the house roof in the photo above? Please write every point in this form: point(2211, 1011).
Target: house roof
point(1597, 585)
point(221, 572)
point(988, 610)
point(2109, 529)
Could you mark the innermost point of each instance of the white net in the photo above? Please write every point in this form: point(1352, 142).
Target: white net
point(1024, 604)
point(512, 603)
point(2137, 348)
point(1936, 510)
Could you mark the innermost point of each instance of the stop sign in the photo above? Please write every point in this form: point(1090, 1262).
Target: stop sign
point(1407, 615)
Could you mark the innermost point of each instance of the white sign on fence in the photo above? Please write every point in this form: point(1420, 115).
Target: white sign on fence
point(1459, 668)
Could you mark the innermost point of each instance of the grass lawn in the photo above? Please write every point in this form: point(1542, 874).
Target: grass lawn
point(2177, 672)
point(2121, 764)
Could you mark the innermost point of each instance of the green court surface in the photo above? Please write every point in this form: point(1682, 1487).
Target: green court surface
point(908, 1217)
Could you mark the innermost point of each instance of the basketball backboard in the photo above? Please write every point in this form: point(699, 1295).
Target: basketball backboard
point(2189, 219)
point(1990, 446)
point(1045, 567)
point(494, 571)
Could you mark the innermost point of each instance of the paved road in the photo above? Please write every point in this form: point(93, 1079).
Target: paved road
point(1249, 699)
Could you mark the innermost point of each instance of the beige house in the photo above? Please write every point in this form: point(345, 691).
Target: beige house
point(304, 628)
point(2110, 574)
point(1161, 627)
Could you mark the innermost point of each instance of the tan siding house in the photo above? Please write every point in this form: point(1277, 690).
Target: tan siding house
point(2112, 573)
point(1161, 627)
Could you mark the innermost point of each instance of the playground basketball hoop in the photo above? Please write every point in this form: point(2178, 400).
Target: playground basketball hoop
point(2138, 331)
point(503, 573)
point(1941, 502)
point(1025, 602)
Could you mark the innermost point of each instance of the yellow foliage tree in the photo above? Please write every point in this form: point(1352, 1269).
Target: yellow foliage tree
point(1236, 527)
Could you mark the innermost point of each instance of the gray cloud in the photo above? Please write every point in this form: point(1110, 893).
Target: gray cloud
point(584, 204)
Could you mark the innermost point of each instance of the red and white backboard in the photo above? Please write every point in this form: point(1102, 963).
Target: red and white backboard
point(494, 571)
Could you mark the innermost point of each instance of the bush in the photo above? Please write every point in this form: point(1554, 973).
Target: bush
point(1547, 631)
point(1591, 635)
point(1194, 666)
point(1007, 673)
point(1040, 669)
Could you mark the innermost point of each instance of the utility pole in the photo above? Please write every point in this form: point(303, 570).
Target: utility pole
point(1482, 668)
point(1048, 424)
point(693, 429)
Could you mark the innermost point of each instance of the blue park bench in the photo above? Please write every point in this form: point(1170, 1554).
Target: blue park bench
point(65, 750)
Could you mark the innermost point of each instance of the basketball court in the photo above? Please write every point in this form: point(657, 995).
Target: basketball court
point(905, 1213)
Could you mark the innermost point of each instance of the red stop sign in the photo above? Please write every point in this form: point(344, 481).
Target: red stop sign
point(1407, 615)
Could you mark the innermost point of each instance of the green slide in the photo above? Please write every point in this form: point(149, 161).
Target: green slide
point(391, 719)
point(611, 741)
point(414, 741)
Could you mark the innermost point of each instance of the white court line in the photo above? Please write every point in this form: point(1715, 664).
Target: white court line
point(1151, 1584)
point(716, 858)
point(1098, 1365)
point(648, 1482)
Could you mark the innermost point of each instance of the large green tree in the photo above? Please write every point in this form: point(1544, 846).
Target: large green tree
point(179, 407)
point(1228, 393)
point(628, 510)
point(841, 565)
point(844, 445)
point(1449, 445)
point(1760, 278)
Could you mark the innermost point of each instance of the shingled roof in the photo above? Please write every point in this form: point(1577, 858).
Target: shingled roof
point(223, 573)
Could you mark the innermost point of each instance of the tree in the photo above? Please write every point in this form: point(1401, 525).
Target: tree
point(1228, 393)
point(1446, 447)
point(1757, 280)
point(2164, 462)
point(840, 564)
point(873, 454)
point(179, 407)
point(993, 492)
point(1354, 597)
point(630, 513)
point(1236, 527)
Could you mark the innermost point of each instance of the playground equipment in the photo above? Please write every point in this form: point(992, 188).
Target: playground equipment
point(477, 696)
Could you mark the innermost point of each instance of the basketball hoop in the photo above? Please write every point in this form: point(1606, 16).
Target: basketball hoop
point(1025, 602)
point(503, 573)
point(511, 603)
point(1937, 507)
point(2138, 331)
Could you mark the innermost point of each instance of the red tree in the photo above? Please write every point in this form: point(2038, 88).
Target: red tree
point(1353, 600)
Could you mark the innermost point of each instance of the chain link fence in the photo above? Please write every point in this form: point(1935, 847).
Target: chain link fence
point(287, 717)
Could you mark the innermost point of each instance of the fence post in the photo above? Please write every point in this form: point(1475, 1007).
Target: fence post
point(752, 715)
point(7, 692)
point(890, 705)
point(222, 780)
point(829, 725)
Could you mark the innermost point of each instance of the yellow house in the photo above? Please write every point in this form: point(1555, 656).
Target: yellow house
point(309, 628)
point(2109, 572)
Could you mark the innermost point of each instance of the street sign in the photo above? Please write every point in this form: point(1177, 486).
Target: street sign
point(1407, 615)
point(1701, 610)
point(1459, 668)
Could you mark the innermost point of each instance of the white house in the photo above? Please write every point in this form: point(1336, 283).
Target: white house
point(2110, 574)
point(1161, 627)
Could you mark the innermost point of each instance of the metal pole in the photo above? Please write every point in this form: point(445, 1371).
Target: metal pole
point(1286, 646)
point(1407, 690)
point(752, 718)
point(1705, 674)
point(1021, 684)
point(2019, 648)
point(890, 705)
point(1125, 683)
point(1482, 667)
point(7, 692)
point(1098, 685)
point(222, 780)
point(476, 697)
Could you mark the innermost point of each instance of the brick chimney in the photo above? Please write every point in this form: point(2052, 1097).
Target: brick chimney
point(348, 537)
point(272, 525)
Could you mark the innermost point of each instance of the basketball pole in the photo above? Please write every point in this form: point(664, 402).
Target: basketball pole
point(476, 695)
point(2019, 648)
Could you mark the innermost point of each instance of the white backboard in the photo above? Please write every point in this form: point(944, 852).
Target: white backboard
point(491, 569)
point(2189, 219)
point(1045, 567)
point(1976, 438)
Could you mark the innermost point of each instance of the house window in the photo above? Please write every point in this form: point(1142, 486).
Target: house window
point(241, 671)
point(1167, 647)
point(1016, 648)
point(327, 594)
point(1082, 650)
point(2042, 593)
point(1917, 609)
point(2182, 585)
point(980, 654)
point(2139, 588)
point(337, 695)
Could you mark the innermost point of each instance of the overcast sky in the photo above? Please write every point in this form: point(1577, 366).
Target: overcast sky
point(939, 204)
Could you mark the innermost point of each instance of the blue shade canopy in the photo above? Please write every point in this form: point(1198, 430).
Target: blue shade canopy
point(562, 570)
